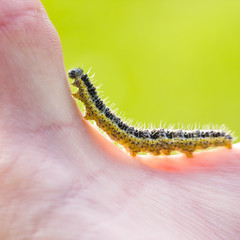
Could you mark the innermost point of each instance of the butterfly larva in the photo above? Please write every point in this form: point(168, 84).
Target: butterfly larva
point(155, 141)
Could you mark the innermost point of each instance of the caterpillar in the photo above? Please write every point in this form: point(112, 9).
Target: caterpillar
point(134, 140)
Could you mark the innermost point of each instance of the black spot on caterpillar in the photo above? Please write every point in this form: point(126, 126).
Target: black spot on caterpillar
point(154, 141)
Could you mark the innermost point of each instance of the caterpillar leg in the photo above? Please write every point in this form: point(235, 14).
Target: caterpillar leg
point(90, 114)
point(156, 152)
point(87, 117)
point(189, 154)
point(166, 151)
point(76, 95)
point(229, 145)
point(133, 153)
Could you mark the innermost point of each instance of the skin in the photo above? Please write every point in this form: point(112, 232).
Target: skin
point(61, 179)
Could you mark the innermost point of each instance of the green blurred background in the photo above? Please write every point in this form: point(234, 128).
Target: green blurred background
point(158, 60)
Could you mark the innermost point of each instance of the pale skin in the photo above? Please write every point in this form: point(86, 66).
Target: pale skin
point(61, 179)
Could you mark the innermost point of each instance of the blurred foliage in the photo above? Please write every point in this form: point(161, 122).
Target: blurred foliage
point(158, 60)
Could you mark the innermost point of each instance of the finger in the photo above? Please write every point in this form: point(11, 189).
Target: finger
point(33, 82)
point(34, 89)
point(208, 159)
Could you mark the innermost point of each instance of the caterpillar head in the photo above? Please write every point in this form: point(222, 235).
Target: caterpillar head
point(75, 73)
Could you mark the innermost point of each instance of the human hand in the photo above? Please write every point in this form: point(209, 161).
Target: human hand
point(61, 179)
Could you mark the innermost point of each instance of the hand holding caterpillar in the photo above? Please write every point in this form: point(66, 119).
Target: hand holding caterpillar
point(154, 141)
